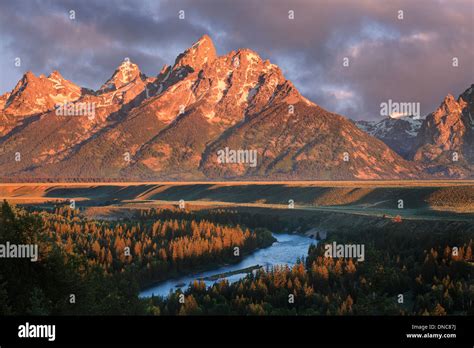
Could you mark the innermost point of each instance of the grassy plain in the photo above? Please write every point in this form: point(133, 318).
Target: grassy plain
point(452, 200)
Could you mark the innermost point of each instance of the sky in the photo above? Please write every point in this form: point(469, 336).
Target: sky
point(403, 60)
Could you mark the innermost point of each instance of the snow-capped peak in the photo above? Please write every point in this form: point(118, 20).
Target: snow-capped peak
point(407, 125)
point(123, 75)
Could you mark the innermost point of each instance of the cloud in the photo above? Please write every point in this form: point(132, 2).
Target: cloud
point(419, 37)
point(404, 60)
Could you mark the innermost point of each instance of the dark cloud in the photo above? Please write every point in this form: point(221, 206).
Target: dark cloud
point(405, 60)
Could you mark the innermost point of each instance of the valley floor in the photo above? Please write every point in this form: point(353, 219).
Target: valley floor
point(413, 200)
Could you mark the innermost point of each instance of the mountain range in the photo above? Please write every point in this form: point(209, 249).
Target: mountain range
point(172, 127)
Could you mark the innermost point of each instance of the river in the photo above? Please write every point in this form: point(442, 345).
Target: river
point(284, 251)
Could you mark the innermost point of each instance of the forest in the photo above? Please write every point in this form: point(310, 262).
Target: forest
point(98, 267)
point(103, 263)
point(403, 274)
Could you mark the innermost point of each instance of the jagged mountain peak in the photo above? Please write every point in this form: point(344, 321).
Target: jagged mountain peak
point(173, 125)
point(29, 75)
point(125, 73)
point(200, 53)
point(443, 132)
point(449, 97)
point(37, 94)
point(449, 102)
point(248, 54)
point(56, 75)
point(442, 141)
point(127, 65)
point(449, 108)
point(204, 40)
point(61, 84)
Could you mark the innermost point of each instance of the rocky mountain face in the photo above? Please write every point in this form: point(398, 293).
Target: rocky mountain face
point(446, 138)
point(399, 133)
point(33, 96)
point(442, 143)
point(54, 126)
point(205, 117)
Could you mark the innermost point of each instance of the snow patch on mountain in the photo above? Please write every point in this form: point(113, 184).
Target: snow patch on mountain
point(407, 125)
point(398, 133)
